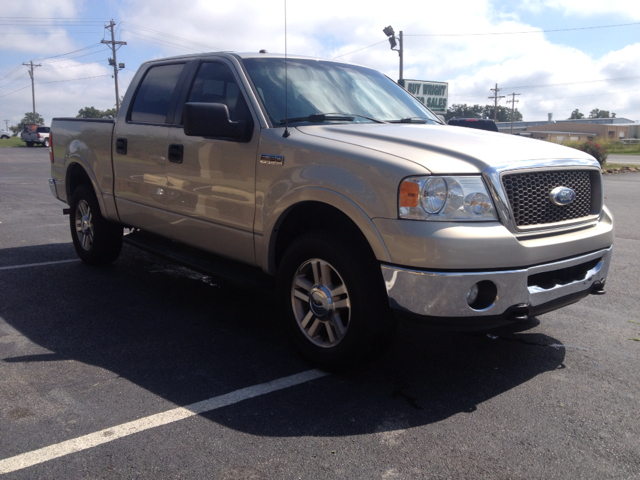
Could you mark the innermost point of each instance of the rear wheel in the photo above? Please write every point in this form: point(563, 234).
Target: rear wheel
point(46, 142)
point(96, 240)
point(29, 144)
point(335, 307)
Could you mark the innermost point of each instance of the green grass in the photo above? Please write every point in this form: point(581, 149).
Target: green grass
point(12, 142)
point(620, 149)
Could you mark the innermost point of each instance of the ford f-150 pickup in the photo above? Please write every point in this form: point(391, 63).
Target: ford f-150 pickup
point(338, 187)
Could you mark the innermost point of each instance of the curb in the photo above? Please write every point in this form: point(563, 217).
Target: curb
point(613, 171)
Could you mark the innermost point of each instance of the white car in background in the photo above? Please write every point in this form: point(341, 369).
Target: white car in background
point(4, 134)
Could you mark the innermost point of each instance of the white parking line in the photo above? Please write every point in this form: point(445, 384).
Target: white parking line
point(85, 442)
point(12, 267)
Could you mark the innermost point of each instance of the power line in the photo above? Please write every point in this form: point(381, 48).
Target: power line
point(15, 80)
point(161, 42)
point(78, 56)
point(74, 79)
point(45, 33)
point(492, 33)
point(550, 85)
point(363, 48)
point(173, 37)
point(15, 91)
point(89, 47)
point(518, 33)
point(15, 70)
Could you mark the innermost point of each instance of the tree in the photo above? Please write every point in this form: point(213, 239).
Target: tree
point(481, 111)
point(504, 114)
point(597, 113)
point(463, 110)
point(30, 118)
point(576, 115)
point(92, 112)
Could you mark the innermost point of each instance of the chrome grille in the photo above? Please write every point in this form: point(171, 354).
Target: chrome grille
point(529, 192)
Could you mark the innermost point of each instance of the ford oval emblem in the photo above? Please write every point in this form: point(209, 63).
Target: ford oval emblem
point(562, 196)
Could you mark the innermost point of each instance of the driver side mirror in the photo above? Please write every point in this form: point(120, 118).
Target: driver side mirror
point(212, 120)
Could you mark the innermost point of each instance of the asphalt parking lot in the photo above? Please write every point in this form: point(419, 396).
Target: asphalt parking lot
point(96, 363)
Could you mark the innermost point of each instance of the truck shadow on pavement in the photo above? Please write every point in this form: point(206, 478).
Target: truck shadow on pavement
point(177, 335)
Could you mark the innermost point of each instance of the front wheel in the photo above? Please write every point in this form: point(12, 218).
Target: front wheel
point(335, 307)
point(96, 240)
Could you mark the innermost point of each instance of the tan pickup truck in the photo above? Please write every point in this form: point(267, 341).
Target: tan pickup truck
point(335, 185)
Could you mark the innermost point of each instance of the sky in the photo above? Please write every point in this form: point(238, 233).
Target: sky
point(558, 55)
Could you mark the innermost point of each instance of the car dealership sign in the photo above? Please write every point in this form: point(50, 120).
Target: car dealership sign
point(433, 94)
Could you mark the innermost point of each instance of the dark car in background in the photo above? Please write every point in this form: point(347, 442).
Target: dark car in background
point(477, 123)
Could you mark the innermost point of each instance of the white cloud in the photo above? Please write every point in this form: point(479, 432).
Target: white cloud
point(472, 64)
point(587, 8)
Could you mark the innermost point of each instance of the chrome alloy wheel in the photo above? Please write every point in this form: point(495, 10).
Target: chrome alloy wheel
point(84, 225)
point(321, 303)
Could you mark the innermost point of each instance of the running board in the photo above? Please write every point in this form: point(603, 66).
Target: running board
point(219, 268)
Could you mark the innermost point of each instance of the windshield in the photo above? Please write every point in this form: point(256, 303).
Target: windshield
point(324, 91)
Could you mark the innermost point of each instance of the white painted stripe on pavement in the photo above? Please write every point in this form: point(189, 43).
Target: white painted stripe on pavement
point(12, 267)
point(85, 442)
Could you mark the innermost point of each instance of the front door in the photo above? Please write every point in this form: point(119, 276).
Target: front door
point(211, 182)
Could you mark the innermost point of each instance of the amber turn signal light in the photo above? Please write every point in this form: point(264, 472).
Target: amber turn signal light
point(409, 194)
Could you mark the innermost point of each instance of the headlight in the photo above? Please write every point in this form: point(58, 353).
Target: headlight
point(463, 198)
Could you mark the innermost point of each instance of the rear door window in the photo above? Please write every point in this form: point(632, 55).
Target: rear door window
point(153, 98)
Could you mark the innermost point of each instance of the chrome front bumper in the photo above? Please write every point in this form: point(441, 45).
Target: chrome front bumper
point(444, 294)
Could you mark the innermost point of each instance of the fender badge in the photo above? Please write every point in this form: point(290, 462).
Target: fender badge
point(562, 196)
point(272, 159)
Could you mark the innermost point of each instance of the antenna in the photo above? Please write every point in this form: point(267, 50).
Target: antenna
point(286, 78)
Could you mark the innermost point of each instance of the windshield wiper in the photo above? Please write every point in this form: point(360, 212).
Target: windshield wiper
point(329, 117)
point(422, 120)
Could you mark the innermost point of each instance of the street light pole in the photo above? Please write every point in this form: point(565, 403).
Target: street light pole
point(388, 31)
point(400, 52)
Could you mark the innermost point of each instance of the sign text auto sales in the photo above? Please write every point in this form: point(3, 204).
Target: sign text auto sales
point(432, 94)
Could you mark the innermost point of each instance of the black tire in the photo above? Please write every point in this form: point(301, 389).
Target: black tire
point(97, 241)
point(29, 144)
point(350, 309)
point(46, 142)
point(4, 137)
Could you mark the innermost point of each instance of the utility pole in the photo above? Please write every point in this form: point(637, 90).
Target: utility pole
point(6, 124)
point(113, 61)
point(33, 90)
point(513, 102)
point(495, 98)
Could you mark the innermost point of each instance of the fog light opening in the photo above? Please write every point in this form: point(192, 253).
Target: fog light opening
point(482, 295)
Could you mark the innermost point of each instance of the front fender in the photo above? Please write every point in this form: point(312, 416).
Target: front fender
point(265, 250)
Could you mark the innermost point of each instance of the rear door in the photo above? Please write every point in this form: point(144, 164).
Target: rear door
point(140, 149)
point(211, 181)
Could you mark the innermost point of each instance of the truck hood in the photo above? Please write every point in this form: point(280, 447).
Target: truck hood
point(444, 148)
